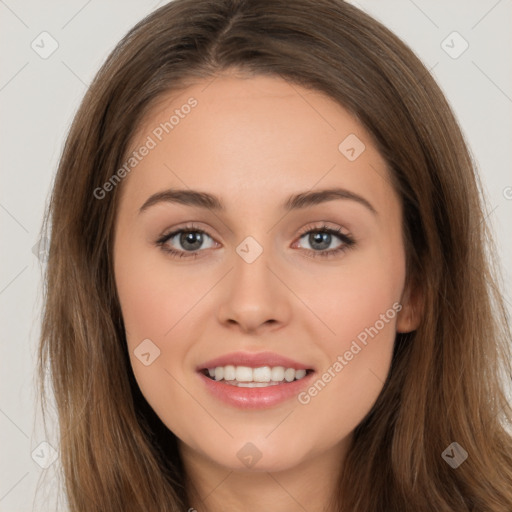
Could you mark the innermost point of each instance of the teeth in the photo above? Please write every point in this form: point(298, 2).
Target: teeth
point(244, 376)
point(289, 374)
point(229, 372)
point(262, 374)
point(299, 374)
point(251, 384)
point(277, 373)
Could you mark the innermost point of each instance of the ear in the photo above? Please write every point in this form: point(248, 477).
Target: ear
point(410, 315)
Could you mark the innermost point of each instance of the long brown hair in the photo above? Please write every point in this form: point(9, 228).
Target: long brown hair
point(446, 382)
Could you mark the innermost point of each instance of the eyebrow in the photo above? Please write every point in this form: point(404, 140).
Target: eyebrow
point(295, 202)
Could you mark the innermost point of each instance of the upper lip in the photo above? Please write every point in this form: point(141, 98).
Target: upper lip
point(254, 360)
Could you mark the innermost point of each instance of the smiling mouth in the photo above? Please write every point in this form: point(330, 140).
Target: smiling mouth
point(245, 376)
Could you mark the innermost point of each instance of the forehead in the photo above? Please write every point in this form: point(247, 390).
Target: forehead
point(253, 140)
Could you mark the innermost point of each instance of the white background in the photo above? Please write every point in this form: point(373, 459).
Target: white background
point(38, 98)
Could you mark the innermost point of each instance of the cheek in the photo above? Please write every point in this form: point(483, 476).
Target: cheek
point(360, 307)
point(364, 302)
point(158, 307)
point(160, 302)
point(362, 295)
point(152, 306)
point(154, 296)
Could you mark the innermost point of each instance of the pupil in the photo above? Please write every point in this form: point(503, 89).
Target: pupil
point(188, 238)
point(319, 238)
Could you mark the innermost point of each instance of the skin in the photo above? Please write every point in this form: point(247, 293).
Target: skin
point(253, 142)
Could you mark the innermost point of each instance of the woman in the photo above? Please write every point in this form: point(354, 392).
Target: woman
point(248, 369)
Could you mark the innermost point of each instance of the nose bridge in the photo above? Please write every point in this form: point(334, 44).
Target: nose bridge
point(255, 296)
point(252, 276)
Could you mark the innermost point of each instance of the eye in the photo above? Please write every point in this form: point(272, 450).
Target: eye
point(320, 238)
point(190, 238)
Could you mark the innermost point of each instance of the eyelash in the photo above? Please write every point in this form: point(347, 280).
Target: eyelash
point(348, 241)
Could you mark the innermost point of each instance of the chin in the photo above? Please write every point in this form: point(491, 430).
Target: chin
point(260, 455)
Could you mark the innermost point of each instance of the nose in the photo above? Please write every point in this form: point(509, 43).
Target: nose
point(254, 297)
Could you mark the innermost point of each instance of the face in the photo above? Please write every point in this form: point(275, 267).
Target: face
point(262, 279)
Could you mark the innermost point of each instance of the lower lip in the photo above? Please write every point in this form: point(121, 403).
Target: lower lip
point(255, 398)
